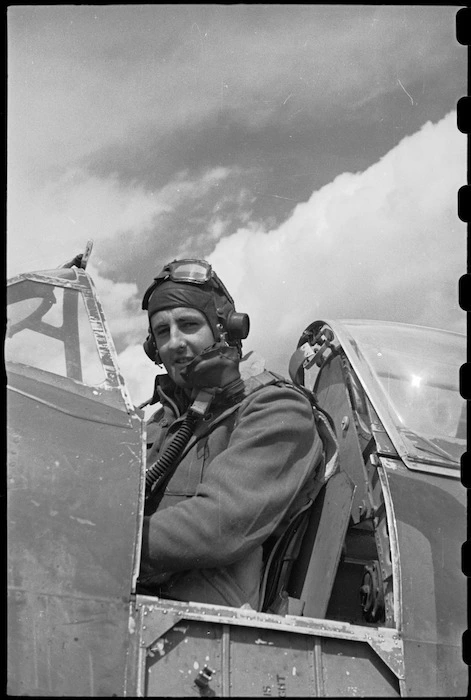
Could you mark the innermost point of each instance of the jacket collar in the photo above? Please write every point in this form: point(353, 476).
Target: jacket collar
point(169, 394)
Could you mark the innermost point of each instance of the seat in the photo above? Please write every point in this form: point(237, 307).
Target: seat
point(302, 563)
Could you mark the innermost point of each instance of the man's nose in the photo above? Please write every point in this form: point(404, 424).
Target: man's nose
point(177, 339)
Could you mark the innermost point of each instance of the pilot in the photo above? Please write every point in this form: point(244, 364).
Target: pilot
point(233, 452)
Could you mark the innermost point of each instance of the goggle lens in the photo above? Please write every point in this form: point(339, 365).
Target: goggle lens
point(195, 271)
point(190, 272)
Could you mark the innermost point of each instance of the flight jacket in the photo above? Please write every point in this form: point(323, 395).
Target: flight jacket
point(246, 472)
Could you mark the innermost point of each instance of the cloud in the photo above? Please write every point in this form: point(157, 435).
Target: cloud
point(122, 305)
point(158, 130)
point(85, 77)
point(385, 244)
point(62, 214)
point(117, 215)
point(139, 373)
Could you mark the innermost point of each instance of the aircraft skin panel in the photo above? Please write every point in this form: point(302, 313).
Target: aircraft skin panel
point(353, 669)
point(60, 645)
point(55, 396)
point(431, 527)
point(72, 535)
point(237, 652)
point(435, 670)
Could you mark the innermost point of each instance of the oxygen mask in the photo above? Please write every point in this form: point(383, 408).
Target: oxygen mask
point(215, 368)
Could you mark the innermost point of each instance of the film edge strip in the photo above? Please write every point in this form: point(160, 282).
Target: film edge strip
point(463, 109)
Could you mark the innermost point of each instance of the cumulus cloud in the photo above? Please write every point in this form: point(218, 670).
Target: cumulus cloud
point(122, 306)
point(139, 373)
point(385, 244)
point(63, 214)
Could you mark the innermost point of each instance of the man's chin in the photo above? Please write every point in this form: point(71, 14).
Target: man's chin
point(175, 374)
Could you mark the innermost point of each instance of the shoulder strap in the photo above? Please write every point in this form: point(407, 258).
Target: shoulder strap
point(258, 381)
point(329, 442)
point(326, 430)
point(322, 420)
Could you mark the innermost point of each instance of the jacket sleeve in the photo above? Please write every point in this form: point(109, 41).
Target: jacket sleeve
point(247, 490)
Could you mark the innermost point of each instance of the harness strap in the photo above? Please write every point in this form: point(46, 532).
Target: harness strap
point(251, 385)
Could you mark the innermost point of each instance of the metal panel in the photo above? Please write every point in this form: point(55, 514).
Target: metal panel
point(244, 662)
point(271, 664)
point(175, 660)
point(431, 527)
point(353, 669)
point(73, 528)
point(251, 654)
point(333, 397)
point(64, 646)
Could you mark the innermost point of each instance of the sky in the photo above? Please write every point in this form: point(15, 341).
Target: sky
point(309, 152)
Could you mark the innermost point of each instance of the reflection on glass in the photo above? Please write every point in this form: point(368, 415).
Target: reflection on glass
point(418, 370)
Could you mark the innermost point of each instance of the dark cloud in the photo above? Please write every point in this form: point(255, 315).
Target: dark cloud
point(300, 130)
point(193, 218)
point(148, 90)
point(277, 165)
point(286, 126)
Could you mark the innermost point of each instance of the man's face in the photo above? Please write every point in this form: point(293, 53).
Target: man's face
point(180, 335)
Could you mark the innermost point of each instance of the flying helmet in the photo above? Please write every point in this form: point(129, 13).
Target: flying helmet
point(228, 326)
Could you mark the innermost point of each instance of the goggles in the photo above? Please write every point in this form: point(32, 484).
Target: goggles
point(189, 271)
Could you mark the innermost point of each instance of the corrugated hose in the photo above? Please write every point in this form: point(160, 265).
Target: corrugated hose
point(157, 474)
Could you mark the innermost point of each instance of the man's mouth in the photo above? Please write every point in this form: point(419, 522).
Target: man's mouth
point(183, 361)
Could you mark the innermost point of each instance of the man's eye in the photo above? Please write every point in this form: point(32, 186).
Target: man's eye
point(160, 332)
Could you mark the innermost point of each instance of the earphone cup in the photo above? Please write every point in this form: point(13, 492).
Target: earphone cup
point(150, 349)
point(237, 325)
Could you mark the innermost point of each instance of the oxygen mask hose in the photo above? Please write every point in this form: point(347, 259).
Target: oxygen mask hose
point(158, 475)
point(173, 451)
